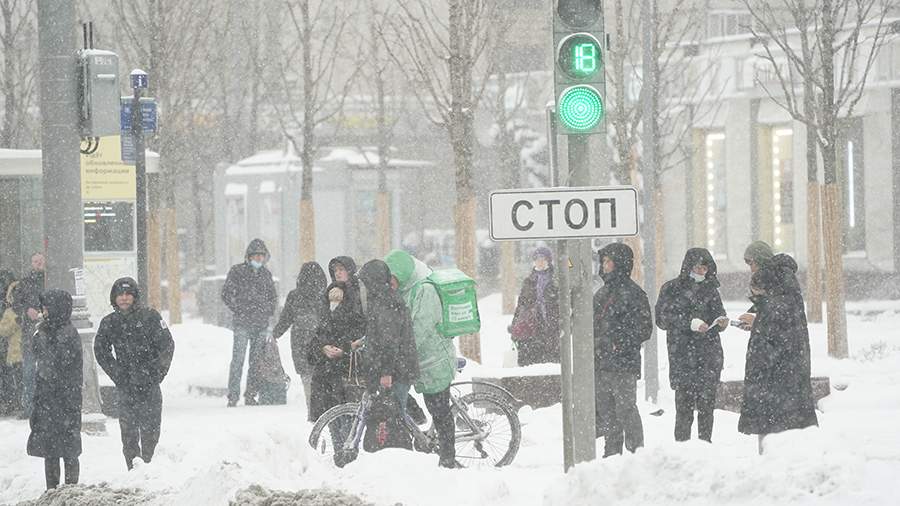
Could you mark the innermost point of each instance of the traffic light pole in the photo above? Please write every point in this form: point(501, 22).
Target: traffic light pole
point(140, 174)
point(582, 337)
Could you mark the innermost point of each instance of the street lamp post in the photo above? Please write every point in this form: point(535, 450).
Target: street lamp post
point(139, 82)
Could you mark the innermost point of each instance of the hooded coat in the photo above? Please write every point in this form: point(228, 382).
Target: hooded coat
point(339, 327)
point(303, 309)
point(56, 418)
point(695, 359)
point(249, 292)
point(777, 388)
point(622, 317)
point(140, 339)
point(436, 353)
point(390, 345)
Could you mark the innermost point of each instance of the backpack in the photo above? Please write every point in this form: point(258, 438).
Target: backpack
point(459, 302)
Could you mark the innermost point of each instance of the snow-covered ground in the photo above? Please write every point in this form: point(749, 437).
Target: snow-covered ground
point(209, 452)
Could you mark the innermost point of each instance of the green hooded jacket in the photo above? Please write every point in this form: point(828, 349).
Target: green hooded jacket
point(437, 355)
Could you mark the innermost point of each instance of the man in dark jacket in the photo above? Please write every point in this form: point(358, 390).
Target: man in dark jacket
point(56, 417)
point(622, 321)
point(249, 292)
point(690, 310)
point(27, 306)
point(143, 348)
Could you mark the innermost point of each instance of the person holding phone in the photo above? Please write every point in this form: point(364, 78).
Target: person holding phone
point(690, 310)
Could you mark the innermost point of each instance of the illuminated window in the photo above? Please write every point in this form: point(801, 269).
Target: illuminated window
point(716, 201)
point(783, 189)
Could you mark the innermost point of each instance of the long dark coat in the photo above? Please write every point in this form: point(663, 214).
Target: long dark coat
point(56, 418)
point(390, 343)
point(303, 310)
point(695, 359)
point(339, 327)
point(543, 347)
point(250, 292)
point(622, 317)
point(777, 387)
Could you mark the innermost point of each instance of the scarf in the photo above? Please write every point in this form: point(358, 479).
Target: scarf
point(542, 279)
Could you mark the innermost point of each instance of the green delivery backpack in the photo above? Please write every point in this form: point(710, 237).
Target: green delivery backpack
point(458, 301)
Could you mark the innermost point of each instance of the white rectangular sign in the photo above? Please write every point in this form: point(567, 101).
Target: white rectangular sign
point(563, 213)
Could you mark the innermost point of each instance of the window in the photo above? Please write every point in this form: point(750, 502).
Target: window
point(851, 174)
point(724, 23)
point(710, 194)
point(236, 221)
point(108, 226)
point(783, 189)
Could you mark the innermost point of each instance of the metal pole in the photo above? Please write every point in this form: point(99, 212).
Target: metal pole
point(565, 308)
point(650, 166)
point(60, 137)
point(583, 414)
point(140, 174)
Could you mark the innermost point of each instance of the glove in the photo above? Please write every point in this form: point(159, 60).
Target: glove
point(696, 323)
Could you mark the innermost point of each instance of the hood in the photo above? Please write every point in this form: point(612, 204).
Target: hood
point(256, 247)
point(543, 251)
point(758, 251)
point(59, 307)
point(124, 285)
point(622, 256)
point(408, 269)
point(778, 275)
point(348, 264)
point(376, 277)
point(695, 256)
point(312, 278)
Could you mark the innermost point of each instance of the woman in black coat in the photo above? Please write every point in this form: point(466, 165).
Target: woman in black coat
point(690, 310)
point(56, 418)
point(303, 309)
point(777, 387)
point(339, 333)
point(535, 325)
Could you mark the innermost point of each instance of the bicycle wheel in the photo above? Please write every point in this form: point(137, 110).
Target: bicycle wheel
point(331, 430)
point(489, 433)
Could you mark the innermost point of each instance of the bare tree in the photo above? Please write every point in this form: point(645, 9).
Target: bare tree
point(313, 95)
point(821, 53)
point(18, 55)
point(444, 58)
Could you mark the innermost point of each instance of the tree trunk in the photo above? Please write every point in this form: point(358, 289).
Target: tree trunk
point(173, 271)
point(469, 346)
point(659, 257)
point(383, 223)
point(834, 271)
point(814, 253)
point(508, 281)
point(307, 230)
point(154, 259)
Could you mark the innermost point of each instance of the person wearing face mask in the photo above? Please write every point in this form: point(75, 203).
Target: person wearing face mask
point(690, 310)
point(134, 348)
point(622, 321)
point(777, 386)
point(535, 324)
point(249, 292)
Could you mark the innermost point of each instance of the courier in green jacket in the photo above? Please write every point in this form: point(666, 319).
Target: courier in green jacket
point(437, 355)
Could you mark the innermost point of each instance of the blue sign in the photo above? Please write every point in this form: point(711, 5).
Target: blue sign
point(139, 80)
point(127, 144)
point(149, 114)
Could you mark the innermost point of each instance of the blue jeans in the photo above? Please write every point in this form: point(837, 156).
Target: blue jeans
point(242, 335)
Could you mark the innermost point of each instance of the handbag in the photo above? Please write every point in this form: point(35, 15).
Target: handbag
point(353, 387)
point(525, 325)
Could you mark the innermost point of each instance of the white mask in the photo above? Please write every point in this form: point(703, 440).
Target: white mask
point(699, 278)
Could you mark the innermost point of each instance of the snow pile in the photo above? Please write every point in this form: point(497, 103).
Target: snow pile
point(89, 495)
point(258, 496)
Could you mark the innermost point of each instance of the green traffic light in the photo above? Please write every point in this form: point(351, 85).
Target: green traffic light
point(580, 108)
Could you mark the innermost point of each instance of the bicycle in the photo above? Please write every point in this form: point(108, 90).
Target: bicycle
point(487, 429)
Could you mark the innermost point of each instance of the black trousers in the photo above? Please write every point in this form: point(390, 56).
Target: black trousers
point(439, 406)
point(618, 419)
point(51, 471)
point(703, 400)
point(140, 417)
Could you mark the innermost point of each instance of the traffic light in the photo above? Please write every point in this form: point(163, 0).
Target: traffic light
point(578, 75)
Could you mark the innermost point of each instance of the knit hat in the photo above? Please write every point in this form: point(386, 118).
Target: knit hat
point(401, 265)
point(759, 252)
point(542, 251)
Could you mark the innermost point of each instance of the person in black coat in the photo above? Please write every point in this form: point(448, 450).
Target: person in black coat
point(339, 334)
point(27, 307)
point(535, 324)
point(56, 417)
point(249, 292)
point(622, 321)
point(690, 310)
point(134, 348)
point(777, 388)
point(303, 310)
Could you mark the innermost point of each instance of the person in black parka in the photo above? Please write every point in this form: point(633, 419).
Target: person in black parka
point(777, 388)
point(56, 417)
point(303, 310)
point(134, 347)
point(690, 310)
point(539, 303)
point(338, 335)
point(27, 307)
point(622, 321)
point(249, 292)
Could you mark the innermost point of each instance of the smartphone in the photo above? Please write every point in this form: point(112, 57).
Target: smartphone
point(736, 323)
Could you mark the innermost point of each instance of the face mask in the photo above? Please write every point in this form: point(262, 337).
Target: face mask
point(699, 278)
point(255, 264)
